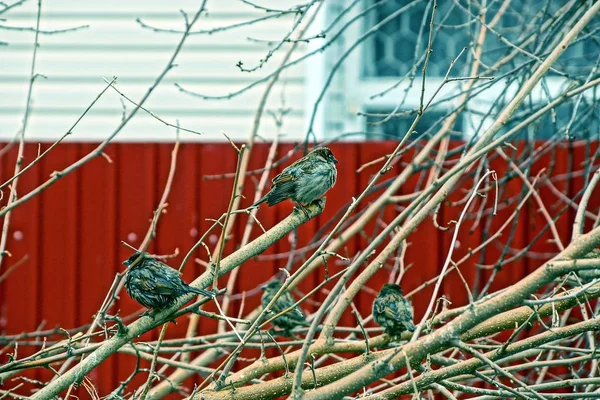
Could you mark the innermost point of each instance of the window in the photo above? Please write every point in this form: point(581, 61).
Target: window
point(391, 51)
point(384, 74)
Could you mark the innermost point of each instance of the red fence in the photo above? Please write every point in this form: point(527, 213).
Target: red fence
point(71, 233)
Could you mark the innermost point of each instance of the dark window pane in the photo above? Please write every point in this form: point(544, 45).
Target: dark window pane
point(393, 46)
point(392, 51)
point(553, 125)
point(397, 127)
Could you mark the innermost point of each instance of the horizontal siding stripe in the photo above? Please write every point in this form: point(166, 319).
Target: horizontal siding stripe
point(170, 14)
point(234, 112)
point(141, 48)
point(211, 80)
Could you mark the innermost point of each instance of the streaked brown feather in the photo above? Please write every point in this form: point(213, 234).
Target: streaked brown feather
point(281, 178)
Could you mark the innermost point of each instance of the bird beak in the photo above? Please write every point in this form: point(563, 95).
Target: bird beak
point(263, 287)
point(335, 161)
point(126, 262)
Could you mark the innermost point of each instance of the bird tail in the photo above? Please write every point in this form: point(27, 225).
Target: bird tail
point(274, 196)
point(259, 202)
point(201, 291)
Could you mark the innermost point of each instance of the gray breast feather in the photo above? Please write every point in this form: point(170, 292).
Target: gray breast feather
point(310, 187)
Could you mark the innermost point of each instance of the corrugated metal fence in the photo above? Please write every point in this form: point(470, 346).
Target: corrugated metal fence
point(71, 233)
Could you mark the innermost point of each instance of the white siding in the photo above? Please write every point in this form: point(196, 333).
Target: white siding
point(115, 45)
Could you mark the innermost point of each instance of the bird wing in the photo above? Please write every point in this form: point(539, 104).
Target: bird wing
point(284, 185)
point(286, 300)
point(291, 172)
point(160, 278)
point(167, 287)
point(379, 306)
point(283, 177)
point(144, 278)
point(165, 282)
point(396, 308)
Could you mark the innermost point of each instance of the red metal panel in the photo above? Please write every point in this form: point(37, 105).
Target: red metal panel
point(59, 238)
point(582, 154)
point(98, 245)
point(509, 194)
point(260, 269)
point(555, 161)
point(469, 235)
point(176, 229)
point(136, 188)
point(575, 179)
point(72, 231)
point(21, 288)
point(364, 300)
point(214, 200)
point(214, 196)
point(283, 246)
point(178, 226)
point(337, 198)
point(20, 291)
point(424, 250)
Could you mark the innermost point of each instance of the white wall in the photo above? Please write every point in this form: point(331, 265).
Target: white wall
point(115, 45)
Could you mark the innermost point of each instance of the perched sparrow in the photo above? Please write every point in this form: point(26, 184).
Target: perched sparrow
point(392, 311)
point(290, 320)
point(306, 180)
point(154, 284)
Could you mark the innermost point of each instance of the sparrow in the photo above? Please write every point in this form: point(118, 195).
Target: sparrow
point(154, 284)
point(293, 318)
point(392, 311)
point(305, 181)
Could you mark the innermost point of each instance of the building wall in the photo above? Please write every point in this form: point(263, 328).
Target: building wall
point(75, 63)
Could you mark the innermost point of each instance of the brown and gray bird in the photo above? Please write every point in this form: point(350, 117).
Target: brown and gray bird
point(293, 318)
point(154, 284)
point(392, 311)
point(305, 181)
